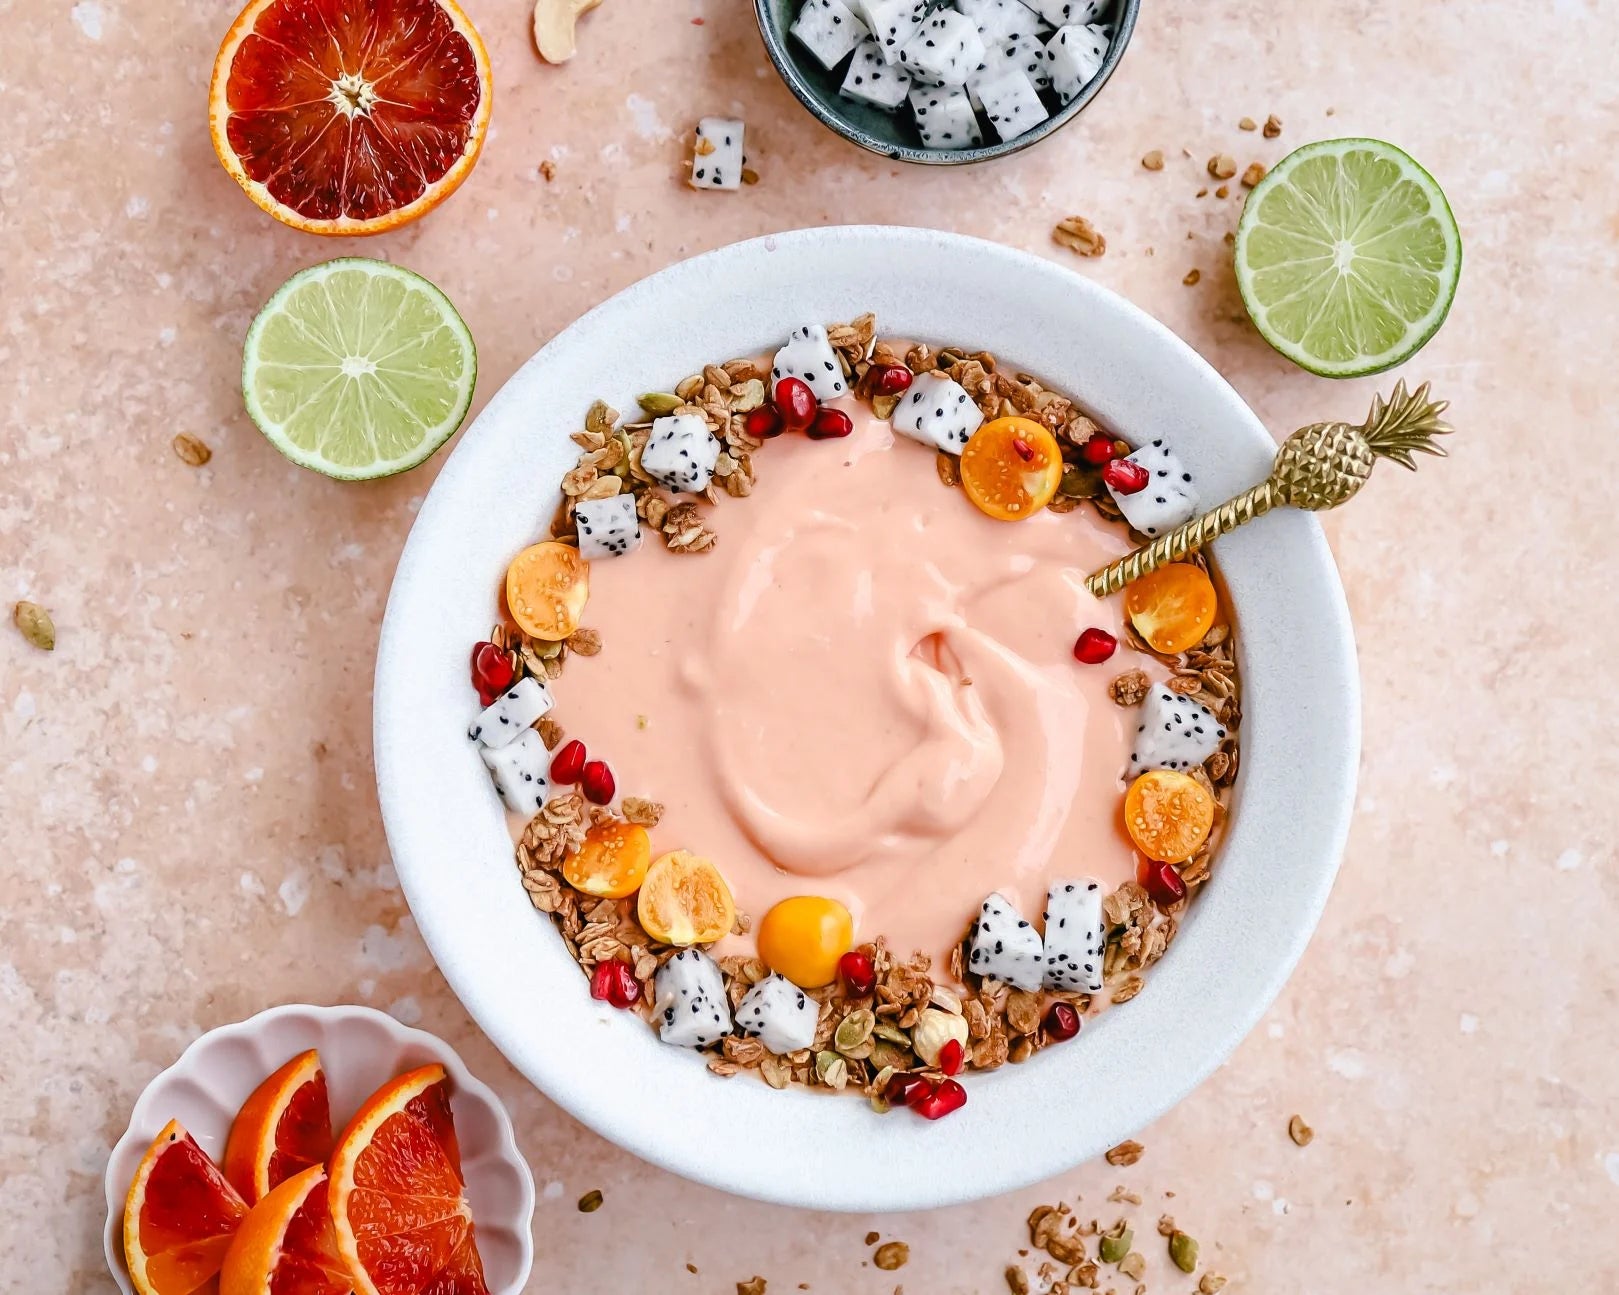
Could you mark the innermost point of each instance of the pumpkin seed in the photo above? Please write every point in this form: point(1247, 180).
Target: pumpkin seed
point(888, 1030)
point(658, 403)
point(854, 1030)
point(1183, 1250)
point(1115, 1244)
point(1080, 482)
point(884, 406)
point(749, 398)
point(831, 1069)
point(590, 1202)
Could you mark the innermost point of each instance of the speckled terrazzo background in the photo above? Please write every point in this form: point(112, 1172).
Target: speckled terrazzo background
point(188, 829)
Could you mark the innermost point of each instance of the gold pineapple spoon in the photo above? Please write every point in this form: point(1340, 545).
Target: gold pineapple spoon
point(1318, 467)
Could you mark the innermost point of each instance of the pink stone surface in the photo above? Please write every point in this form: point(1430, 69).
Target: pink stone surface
point(188, 829)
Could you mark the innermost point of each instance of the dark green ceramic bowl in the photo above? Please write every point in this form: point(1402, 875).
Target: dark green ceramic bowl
point(893, 134)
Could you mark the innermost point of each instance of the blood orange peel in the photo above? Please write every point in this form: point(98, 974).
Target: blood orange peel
point(286, 1245)
point(284, 1127)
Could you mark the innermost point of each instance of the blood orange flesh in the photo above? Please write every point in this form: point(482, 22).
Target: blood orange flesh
point(348, 114)
point(179, 1217)
point(284, 1127)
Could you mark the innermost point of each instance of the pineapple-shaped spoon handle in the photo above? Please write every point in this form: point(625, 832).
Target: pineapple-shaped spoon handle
point(1317, 467)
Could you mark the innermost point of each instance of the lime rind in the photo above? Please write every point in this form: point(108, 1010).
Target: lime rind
point(358, 369)
point(1341, 286)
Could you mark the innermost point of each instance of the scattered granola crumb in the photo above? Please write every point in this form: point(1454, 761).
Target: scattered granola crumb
point(1224, 191)
point(872, 1238)
point(642, 722)
point(36, 625)
point(1332, 112)
point(891, 1255)
point(1253, 175)
point(692, 1268)
point(1212, 1284)
point(749, 175)
point(548, 170)
point(586, 642)
point(1230, 238)
point(1123, 1195)
point(1017, 1281)
point(1166, 1225)
point(190, 450)
point(1133, 1265)
point(1078, 235)
point(754, 1287)
point(1247, 123)
point(1272, 127)
point(1153, 161)
point(1301, 1133)
point(1130, 687)
point(1222, 166)
point(590, 1202)
point(550, 732)
point(1201, 193)
point(641, 811)
point(1126, 1153)
point(1192, 276)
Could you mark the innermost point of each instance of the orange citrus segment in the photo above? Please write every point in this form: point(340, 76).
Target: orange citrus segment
point(282, 1129)
point(684, 900)
point(1168, 815)
point(612, 861)
point(1011, 468)
point(286, 1245)
point(1172, 607)
point(339, 118)
point(802, 938)
point(547, 586)
point(179, 1217)
point(398, 1200)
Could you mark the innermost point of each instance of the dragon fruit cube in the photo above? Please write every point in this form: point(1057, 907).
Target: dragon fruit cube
point(1011, 103)
point(1175, 733)
point(938, 411)
point(689, 1001)
point(944, 50)
point(1061, 13)
point(519, 770)
point(1023, 54)
point(1076, 53)
point(999, 21)
point(1004, 946)
point(1076, 936)
point(681, 452)
point(511, 713)
point(829, 30)
point(891, 22)
point(1169, 497)
point(945, 117)
point(781, 1014)
point(717, 159)
point(871, 81)
point(608, 528)
point(809, 357)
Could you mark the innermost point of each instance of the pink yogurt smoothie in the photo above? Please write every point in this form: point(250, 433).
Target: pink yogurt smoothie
point(867, 691)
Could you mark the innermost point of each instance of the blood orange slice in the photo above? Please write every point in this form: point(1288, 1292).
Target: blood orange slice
point(398, 1200)
point(284, 1127)
point(286, 1245)
point(346, 118)
point(179, 1217)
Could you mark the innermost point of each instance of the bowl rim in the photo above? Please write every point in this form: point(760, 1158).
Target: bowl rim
point(1303, 732)
point(145, 1121)
point(781, 57)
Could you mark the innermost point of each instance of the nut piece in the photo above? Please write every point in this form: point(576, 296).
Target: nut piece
point(1126, 1153)
point(1272, 127)
point(1212, 1284)
point(933, 1030)
point(1301, 1133)
point(1247, 123)
point(1017, 1281)
point(36, 625)
point(1253, 175)
point(190, 450)
point(590, 1202)
point(1153, 161)
point(1192, 277)
point(1222, 166)
point(891, 1255)
point(1078, 235)
point(553, 27)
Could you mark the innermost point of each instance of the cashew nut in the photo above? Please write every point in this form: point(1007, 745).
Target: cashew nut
point(553, 27)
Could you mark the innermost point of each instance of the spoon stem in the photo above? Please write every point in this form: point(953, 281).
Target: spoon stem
point(1185, 538)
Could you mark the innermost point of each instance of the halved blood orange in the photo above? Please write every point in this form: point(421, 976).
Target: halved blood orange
point(339, 117)
point(179, 1217)
point(286, 1245)
point(399, 1203)
point(283, 1128)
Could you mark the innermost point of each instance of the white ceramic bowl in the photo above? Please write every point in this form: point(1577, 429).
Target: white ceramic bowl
point(360, 1050)
point(1023, 1123)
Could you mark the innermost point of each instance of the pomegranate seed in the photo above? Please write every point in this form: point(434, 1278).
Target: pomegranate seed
point(1161, 882)
point(951, 1056)
point(906, 1090)
point(1125, 477)
point(891, 379)
point(948, 1096)
point(1023, 449)
point(1098, 449)
point(796, 404)
point(596, 781)
point(830, 424)
point(1062, 1021)
point(858, 973)
point(613, 982)
point(762, 423)
point(492, 672)
point(1095, 646)
point(569, 763)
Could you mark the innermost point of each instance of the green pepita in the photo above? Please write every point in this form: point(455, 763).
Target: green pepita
point(658, 403)
point(1115, 1244)
point(831, 1069)
point(1183, 1250)
point(854, 1030)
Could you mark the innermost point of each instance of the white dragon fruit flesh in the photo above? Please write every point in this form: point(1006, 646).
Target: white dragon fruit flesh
point(945, 117)
point(511, 713)
point(717, 160)
point(945, 49)
point(519, 770)
point(1061, 13)
point(1011, 103)
point(608, 528)
point(829, 30)
point(1023, 54)
point(1175, 733)
point(1169, 497)
point(690, 1002)
point(681, 452)
point(892, 23)
point(1076, 54)
point(1004, 946)
point(1076, 936)
point(809, 357)
point(780, 1013)
point(937, 411)
point(871, 81)
point(998, 21)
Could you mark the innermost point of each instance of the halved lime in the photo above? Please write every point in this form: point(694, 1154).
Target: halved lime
point(358, 369)
point(1347, 257)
